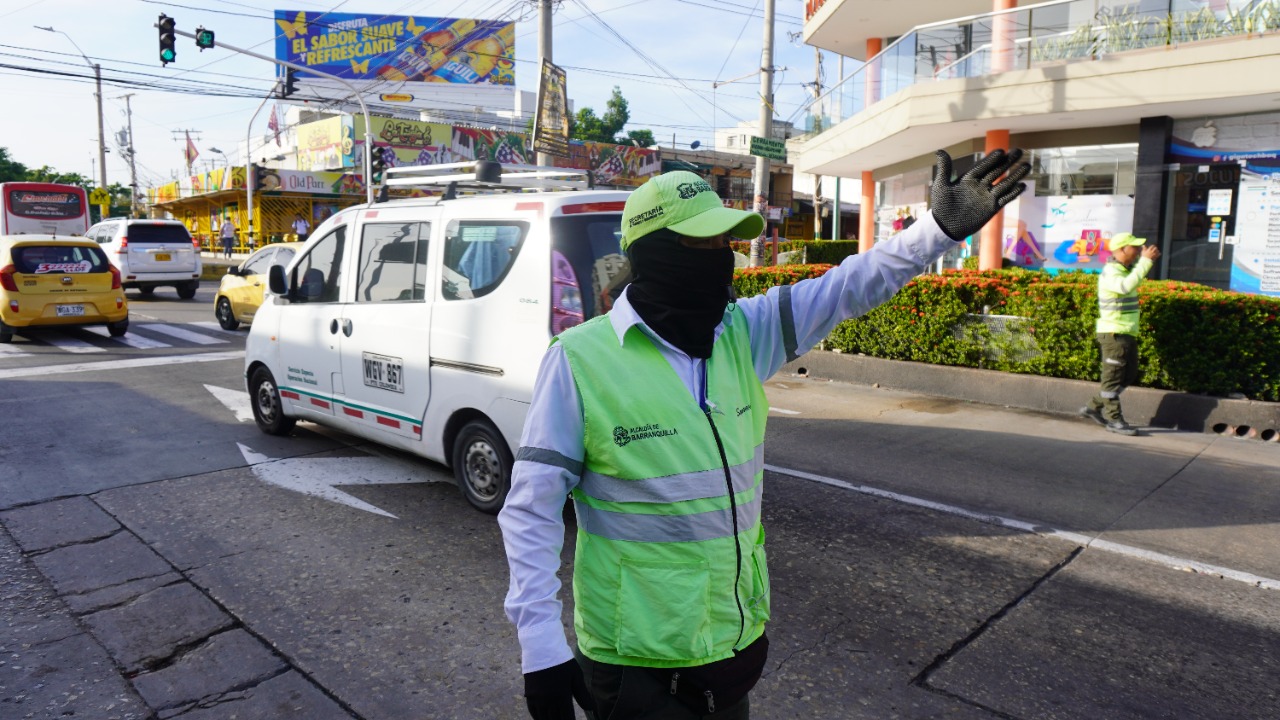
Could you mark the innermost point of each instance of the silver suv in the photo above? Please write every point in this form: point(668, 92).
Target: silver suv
point(151, 254)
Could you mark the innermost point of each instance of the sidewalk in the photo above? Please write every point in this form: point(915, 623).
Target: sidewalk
point(1142, 406)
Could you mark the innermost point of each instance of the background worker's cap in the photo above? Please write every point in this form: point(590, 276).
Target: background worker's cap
point(1124, 239)
point(684, 203)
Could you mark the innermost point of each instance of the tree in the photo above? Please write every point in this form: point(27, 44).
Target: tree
point(642, 138)
point(607, 128)
point(11, 170)
point(48, 174)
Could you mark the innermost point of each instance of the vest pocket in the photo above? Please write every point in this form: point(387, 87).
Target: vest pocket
point(664, 610)
point(759, 600)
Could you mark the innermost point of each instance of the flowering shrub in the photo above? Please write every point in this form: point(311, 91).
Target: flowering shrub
point(1192, 338)
point(816, 252)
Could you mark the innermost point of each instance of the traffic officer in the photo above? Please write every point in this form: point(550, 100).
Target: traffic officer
point(1117, 327)
point(652, 418)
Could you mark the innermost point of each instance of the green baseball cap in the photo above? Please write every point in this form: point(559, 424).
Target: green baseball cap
point(1124, 239)
point(684, 203)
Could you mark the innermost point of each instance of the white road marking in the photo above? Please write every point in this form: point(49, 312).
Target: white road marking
point(72, 345)
point(317, 476)
point(213, 326)
point(9, 351)
point(183, 334)
point(1086, 541)
point(121, 364)
point(237, 401)
point(134, 341)
point(784, 411)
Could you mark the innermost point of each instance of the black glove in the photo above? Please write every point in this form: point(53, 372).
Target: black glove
point(964, 206)
point(550, 693)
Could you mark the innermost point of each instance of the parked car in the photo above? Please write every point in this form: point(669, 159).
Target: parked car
point(420, 323)
point(58, 282)
point(151, 254)
point(240, 292)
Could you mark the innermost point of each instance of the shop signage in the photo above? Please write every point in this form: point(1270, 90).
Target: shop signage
point(768, 148)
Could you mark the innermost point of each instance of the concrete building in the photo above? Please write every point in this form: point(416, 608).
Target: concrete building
point(1155, 116)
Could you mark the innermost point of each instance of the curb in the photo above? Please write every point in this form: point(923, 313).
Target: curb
point(1142, 406)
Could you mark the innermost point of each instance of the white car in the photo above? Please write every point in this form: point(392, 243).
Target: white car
point(151, 254)
point(420, 323)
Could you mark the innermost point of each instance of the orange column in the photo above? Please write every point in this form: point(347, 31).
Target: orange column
point(991, 250)
point(874, 46)
point(867, 216)
point(1002, 30)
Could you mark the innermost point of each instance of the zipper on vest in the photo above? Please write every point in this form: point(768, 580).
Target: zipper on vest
point(733, 514)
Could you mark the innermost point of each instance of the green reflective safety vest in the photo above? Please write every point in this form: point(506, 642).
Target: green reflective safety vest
point(1118, 296)
point(670, 563)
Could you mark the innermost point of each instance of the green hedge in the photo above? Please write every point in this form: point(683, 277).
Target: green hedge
point(1193, 338)
point(816, 252)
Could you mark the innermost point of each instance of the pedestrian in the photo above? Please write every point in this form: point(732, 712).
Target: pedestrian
point(228, 233)
point(301, 227)
point(652, 417)
point(1117, 327)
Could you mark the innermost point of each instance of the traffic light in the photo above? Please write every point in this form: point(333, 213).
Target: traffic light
point(257, 177)
point(168, 51)
point(377, 165)
point(290, 82)
point(204, 38)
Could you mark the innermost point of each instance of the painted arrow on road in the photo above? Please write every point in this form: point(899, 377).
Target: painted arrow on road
point(319, 476)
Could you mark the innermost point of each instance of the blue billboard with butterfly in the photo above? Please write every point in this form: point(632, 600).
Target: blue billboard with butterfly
point(398, 48)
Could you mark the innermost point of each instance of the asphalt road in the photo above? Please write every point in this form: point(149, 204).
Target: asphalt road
point(160, 557)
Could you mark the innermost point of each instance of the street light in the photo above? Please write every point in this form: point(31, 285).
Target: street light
point(224, 155)
point(102, 141)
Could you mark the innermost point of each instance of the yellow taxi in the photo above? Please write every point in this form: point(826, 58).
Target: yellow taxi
point(57, 282)
point(240, 293)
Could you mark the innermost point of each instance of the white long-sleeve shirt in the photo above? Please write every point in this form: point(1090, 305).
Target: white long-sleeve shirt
point(783, 324)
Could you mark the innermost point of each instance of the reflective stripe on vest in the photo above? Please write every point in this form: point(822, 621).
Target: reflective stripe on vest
point(661, 579)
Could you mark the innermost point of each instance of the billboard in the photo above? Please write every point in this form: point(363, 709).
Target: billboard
point(551, 120)
point(398, 48)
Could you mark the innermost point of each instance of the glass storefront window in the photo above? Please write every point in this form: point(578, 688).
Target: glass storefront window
point(1085, 170)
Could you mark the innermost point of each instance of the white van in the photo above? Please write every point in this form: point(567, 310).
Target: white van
point(420, 323)
point(151, 254)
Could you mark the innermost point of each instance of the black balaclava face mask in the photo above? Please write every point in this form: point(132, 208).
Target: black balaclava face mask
point(680, 292)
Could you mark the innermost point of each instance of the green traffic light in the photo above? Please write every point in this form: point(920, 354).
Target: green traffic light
point(204, 39)
point(168, 55)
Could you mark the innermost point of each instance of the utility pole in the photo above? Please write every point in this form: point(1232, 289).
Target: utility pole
point(765, 129)
point(544, 53)
point(817, 179)
point(133, 165)
point(102, 139)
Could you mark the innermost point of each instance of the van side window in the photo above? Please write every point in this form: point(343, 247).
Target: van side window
point(317, 275)
point(478, 254)
point(258, 264)
point(393, 262)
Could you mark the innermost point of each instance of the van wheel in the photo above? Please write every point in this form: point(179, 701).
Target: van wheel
point(268, 412)
point(186, 291)
point(118, 329)
point(226, 318)
point(482, 465)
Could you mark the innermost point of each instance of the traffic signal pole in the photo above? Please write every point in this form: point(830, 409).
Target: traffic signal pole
point(248, 162)
point(355, 92)
point(765, 129)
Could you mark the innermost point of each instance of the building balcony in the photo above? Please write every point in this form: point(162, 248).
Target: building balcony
point(1056, 66)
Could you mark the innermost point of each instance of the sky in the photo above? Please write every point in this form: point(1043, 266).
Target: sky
point(636, 45)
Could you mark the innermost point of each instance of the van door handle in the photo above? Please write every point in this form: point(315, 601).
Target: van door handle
point(346, 327)
point(333, 326)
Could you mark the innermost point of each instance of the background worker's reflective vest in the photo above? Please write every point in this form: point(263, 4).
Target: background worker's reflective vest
point(670, 566)
point(1118, 296)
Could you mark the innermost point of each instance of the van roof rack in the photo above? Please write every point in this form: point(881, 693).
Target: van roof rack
point(487, 176)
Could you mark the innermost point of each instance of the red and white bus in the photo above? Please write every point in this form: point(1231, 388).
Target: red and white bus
point(39, 208)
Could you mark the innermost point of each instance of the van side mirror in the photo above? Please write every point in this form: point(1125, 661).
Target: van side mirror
point(233, 270)
point(275, 281)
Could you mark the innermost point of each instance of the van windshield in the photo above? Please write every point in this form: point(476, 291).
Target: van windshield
point(158, 234)
point(589, 246)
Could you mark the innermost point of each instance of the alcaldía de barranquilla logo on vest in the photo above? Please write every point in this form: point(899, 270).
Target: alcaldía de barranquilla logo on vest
point(622, 435)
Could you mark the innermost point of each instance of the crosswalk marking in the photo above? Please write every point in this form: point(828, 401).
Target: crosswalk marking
point(182, 334)
point(134, 341)
point(9, 351)
point(72, 345)
point(215, 327)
